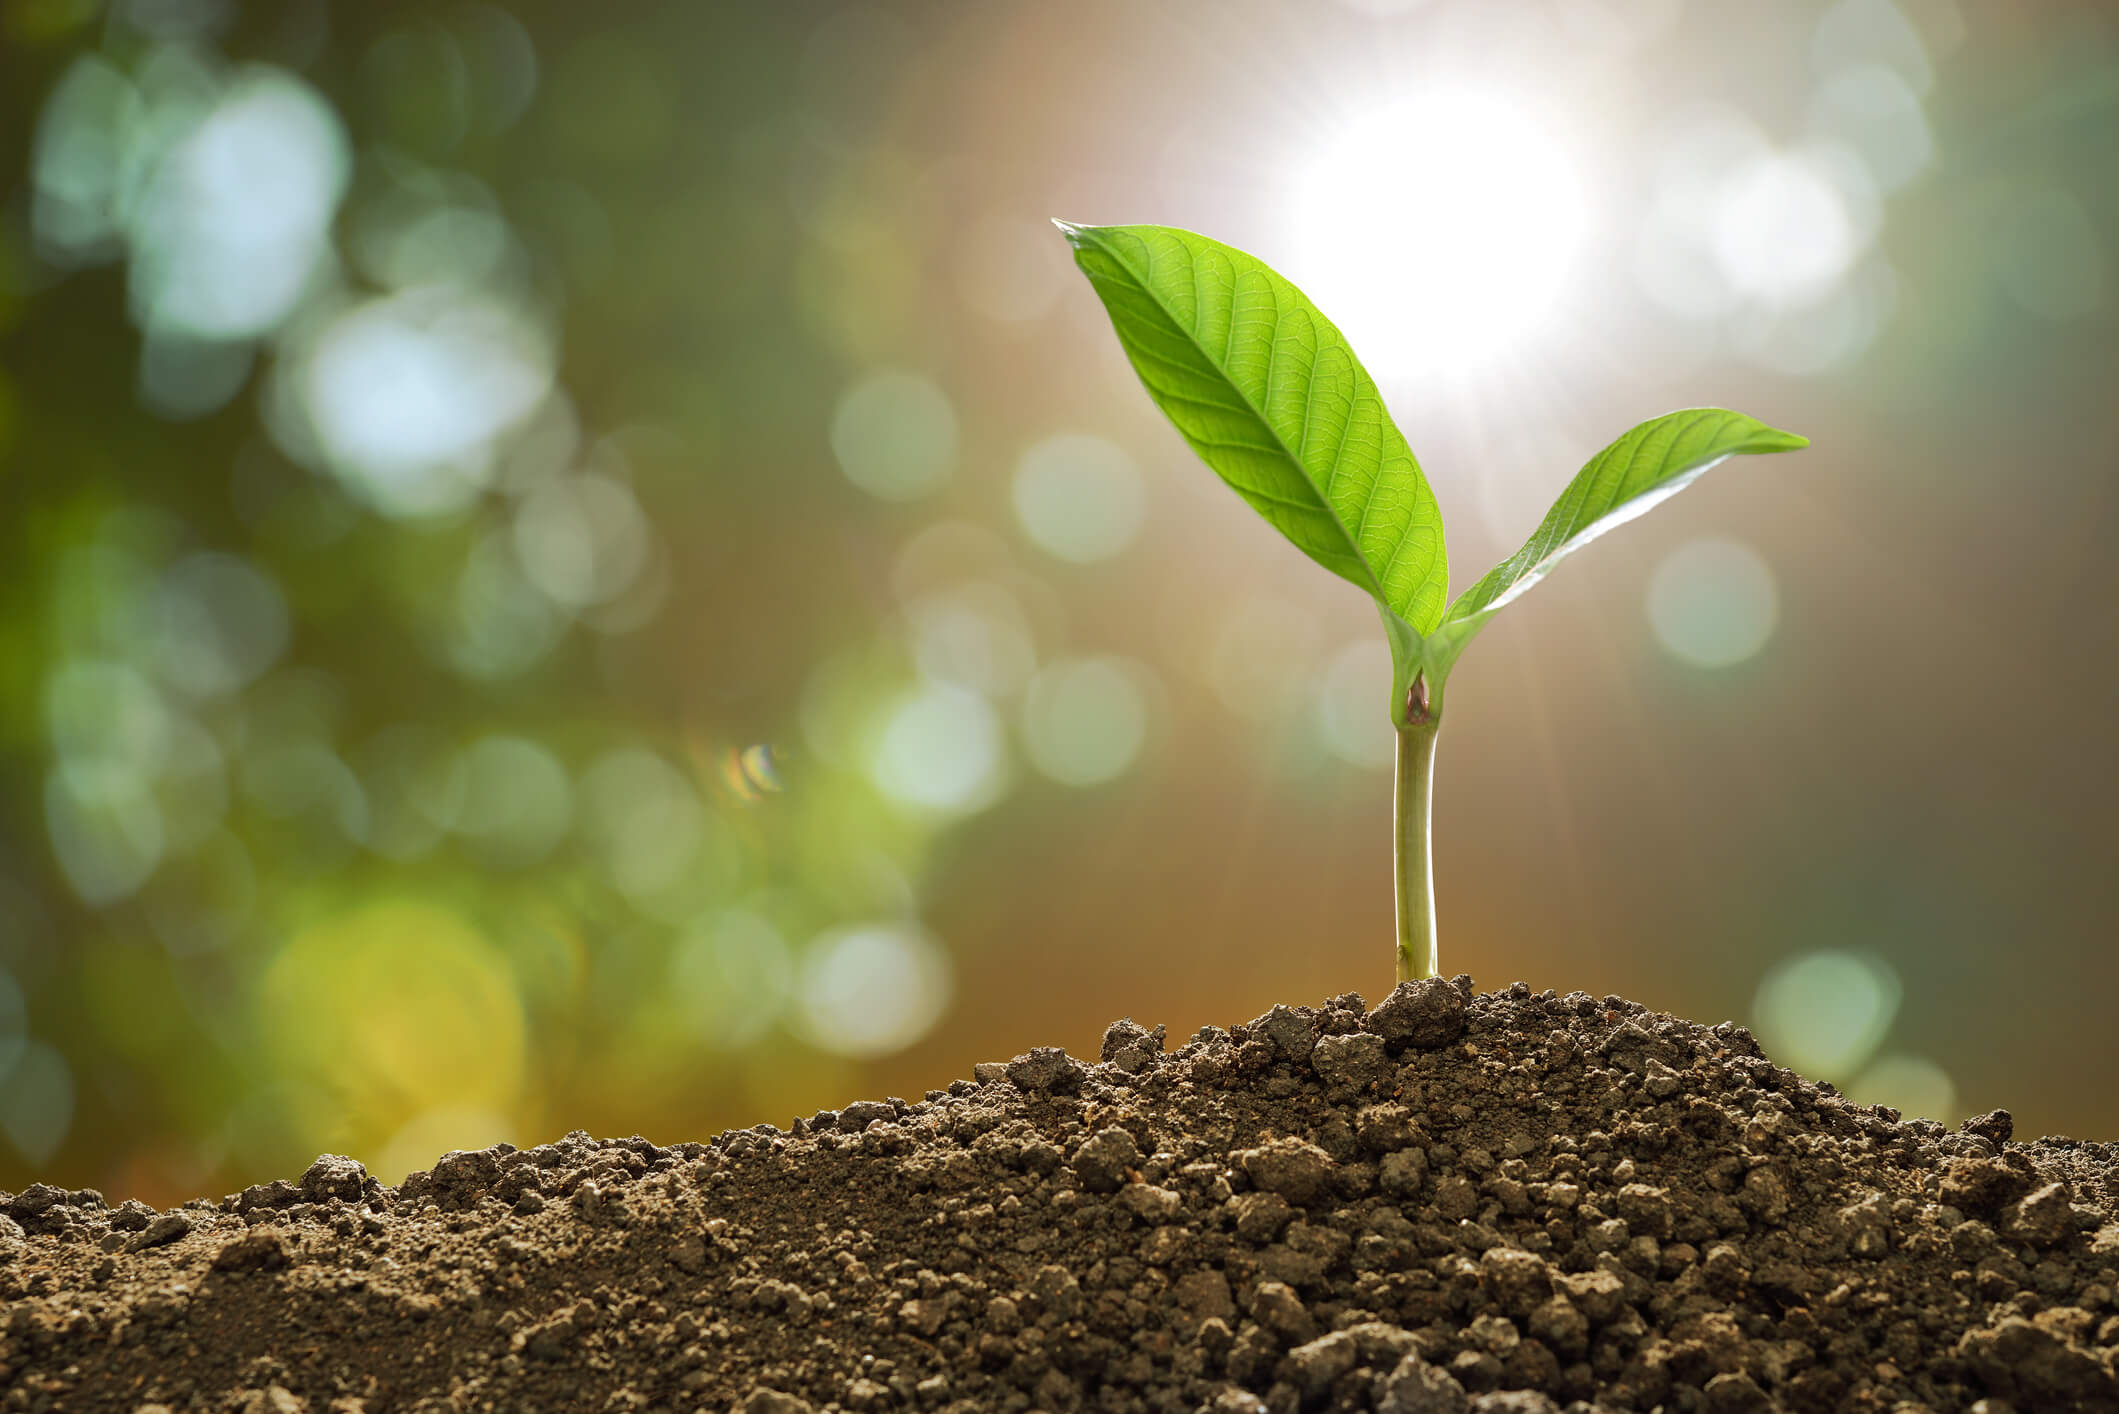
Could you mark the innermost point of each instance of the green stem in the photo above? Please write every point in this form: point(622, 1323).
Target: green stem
point(1417, 955)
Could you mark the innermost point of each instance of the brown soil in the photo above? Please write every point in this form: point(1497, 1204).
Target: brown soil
point(1505, 1202)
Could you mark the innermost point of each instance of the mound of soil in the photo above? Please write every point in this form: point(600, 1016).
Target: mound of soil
point(1509, 1202)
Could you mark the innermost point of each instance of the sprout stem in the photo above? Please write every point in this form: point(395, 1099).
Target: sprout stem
point(1417, 955)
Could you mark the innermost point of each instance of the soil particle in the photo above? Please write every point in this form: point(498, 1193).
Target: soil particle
point(1510, 1203)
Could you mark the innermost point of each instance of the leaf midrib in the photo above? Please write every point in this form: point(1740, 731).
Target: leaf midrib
point(1374, 586)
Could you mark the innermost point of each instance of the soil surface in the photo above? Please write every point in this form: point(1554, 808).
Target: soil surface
point(1508, 1203)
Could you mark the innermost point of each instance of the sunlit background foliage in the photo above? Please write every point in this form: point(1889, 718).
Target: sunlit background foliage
point(594, 566)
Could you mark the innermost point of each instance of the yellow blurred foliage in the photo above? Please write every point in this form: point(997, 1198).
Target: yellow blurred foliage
point(394, 1010)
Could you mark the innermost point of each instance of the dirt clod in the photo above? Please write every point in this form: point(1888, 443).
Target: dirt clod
point(1297, 1172)
point(1983, 1186)
point(1997, 1127)
point(164, 1229)
point(1450, 1204)
point(1046, 1070)
point(260, 1251)
point(334, 1176)
point(1424, 1014)
point(1104, 1160)
point(2041, 1219)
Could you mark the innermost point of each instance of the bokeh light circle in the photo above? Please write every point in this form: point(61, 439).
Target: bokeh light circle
point(1875, 112)
point(1784, 231)
point(895, 435)
point(501, 623)
point(581, 539)
point(1824, 1013)
point(648, 822)
point(223, 622)
point(105, 828)
point(1079, 498)
point(407, 393)
point(37, 1103)
point(975, 635)
point(872, 989)
point(1085, 720)
point(731, 974)
point(232, 222)
point(1913, 1085)
point(517, 800)
point(940, 748)
point(1713, 603)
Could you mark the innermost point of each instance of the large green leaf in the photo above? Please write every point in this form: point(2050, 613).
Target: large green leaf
point(1270, 396)
point(1630, 477)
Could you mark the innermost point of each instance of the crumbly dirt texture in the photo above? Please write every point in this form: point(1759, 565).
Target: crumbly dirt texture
point(1507, 1203)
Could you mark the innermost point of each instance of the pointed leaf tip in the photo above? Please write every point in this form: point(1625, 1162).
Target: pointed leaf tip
point(1070, 230)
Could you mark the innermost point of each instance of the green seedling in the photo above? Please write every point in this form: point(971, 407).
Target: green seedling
point(1268, 393)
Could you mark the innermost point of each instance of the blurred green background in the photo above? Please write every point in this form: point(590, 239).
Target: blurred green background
point(594, 566)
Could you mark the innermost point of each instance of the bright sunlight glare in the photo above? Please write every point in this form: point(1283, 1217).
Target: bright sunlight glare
point(1438, 232)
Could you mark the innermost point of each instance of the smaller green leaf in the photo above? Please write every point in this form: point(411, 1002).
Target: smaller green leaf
point(1629, 478)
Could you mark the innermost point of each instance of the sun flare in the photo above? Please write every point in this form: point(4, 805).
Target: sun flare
point(1439, 232)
